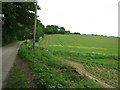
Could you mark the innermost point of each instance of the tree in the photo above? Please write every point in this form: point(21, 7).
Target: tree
point(54, 29)
point(76, 33)
point(19, 20)
point(62, 30)
point(39, 30)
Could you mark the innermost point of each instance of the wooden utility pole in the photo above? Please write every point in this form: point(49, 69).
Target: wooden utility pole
point(34, 33)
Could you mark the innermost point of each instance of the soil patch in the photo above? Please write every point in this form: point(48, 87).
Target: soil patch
point(81, 70)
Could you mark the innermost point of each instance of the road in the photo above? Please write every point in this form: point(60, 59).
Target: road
point(9, 54)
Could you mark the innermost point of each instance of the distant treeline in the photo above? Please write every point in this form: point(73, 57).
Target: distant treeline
point(19, 23)
point(54, 29)
point(99, 35)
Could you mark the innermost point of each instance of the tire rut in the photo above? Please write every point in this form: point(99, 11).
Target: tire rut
point(81, 70)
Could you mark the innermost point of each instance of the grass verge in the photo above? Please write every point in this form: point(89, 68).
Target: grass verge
point(48, 70)
point(16, 78)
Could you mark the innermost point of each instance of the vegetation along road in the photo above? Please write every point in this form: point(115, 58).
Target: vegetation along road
point(67, 61)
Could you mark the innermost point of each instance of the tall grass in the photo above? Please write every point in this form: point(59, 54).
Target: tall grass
point(48, 70)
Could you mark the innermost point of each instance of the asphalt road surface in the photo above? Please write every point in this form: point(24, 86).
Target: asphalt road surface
point(9, 54)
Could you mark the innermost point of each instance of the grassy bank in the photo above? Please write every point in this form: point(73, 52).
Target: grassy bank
point(50, 71)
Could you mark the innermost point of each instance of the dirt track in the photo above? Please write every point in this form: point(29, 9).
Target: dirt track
point(81, 70)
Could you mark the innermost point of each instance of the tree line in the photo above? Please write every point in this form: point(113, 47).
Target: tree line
point(19, 23)
point(54, 29)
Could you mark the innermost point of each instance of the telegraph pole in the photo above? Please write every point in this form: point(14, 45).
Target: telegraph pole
point(34, 33)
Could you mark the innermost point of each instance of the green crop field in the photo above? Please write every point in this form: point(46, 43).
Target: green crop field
point(98, 54)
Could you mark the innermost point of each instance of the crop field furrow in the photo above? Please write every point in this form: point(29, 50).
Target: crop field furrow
point(98, 54)
point(80, 69)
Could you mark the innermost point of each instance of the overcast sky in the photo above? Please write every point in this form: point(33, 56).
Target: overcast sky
point(84, 16)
